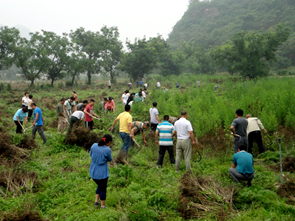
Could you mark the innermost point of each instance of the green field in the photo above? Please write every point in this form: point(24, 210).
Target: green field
point(52, 181)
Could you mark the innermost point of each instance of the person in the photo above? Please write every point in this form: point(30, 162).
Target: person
point(140, 83)
point(198, 82)
point(138, 97)
point(19, 116)
point(138, 127)
point(101, 154)
point(88, 111)
point(81, 106)
point(125, 130)
point(239, 129)
point(129, 85)
point(101, 106)
point(68, 106)
point(38, 123)
point(125, 97)
point(177, 85)
point(75, 96)
point(154, 116)
point(145, 86)
point(166, 131)
point(185, 141)
point(130, 99)
point(242, 165)
point(25, 100)
point(158, 84)
point(144, 93)
point(109, 84)
point(254, 133)
point(164, 89)
point(137, 83)
point(110, 105)
point(30, 110)
point(62, 119)
point(76, 118)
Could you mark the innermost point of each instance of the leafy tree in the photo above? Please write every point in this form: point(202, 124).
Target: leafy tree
point(8, 40)
point(75, 65)
point(171, 63)
point(247, 53)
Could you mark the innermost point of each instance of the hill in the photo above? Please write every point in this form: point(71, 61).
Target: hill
point(212, 23)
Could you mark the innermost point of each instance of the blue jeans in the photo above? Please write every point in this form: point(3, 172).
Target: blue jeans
point(126, 141)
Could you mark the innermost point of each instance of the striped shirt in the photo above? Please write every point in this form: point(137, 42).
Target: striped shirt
point(165, 132)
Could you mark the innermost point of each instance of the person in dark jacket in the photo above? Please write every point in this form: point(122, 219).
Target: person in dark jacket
point(100, 154)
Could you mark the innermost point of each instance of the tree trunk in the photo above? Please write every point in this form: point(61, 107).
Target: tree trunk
point(112, 76)
point(52, 81)
point(32, 82)
point(89, 78)
point(73, 80)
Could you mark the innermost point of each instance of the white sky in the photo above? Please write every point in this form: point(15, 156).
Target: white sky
point(134, 18)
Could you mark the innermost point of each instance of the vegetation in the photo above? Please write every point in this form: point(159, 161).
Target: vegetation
point(55, 178)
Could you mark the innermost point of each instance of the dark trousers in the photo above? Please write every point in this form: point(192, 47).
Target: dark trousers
point(255, 135)
point(162, 150)
point(40, 131)
point(30, 112)
point(89, 124)
point(101, 188)
point(73, 120)
point(19, 128)
point(154, 126)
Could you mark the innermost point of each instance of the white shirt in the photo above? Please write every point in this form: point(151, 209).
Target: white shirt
point(158, 84)
point(125, 97)
point(182, 128)
point(68, 104)
point(145, 85)
point(29, 103)
point(254, 124)
point(25, 99)
point(153, 113)
point(79, 114)
point(143, 94)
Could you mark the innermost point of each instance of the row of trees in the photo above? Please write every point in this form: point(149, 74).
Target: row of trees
point(102, 52)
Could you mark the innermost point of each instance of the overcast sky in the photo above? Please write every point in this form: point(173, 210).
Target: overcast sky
point(134, 18)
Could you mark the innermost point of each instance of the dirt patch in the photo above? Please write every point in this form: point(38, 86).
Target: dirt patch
point(121, 158)
point(287, 190)
point(288, 165)
point(82, 137)
point(27, 142)
point(23, 215)
point(287, 133)
point(53, 124)
point(201, 197)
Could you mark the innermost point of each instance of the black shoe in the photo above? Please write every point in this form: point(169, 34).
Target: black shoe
point(96, 204)
point(249, 183)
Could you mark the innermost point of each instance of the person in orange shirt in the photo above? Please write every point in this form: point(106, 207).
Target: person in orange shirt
point(110, 105)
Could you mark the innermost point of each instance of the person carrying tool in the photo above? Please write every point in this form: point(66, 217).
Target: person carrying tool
point(166, 132)
point(19, 116)
point(38, 123)
point(125, 130)
point(88, 111)
point(185, 141)
point(138, 127)
point(254, 133)
point(242, 165)
point(239, 129)
point(62, 119)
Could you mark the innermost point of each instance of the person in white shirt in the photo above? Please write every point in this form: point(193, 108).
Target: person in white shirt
point(109, 84)
point(30, 110)
point(158, 84)
point(145, 86)
point(76, 118)
point(25, 100)
point(185, 140)
point(154, 115)
point(125, 97)
point(68, 105)
point(254, 133)
point(198, 83)
point(143, 93)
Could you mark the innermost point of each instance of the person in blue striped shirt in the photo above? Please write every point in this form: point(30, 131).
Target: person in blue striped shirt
point(165, 131)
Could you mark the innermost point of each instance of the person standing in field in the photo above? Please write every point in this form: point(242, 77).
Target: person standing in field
point(88, 111)
point(242, 165)
point(109, 84)
point(254, 133)
point(130, 99)
point(25, 100)
point(101, 154)
point(140, 83)
point(68, 106)
point(125, 130)
point(154, 116)
point(81, 106)
point(30, 110)
point(158, 84)
point(239, 129)
point(144, 93)
point(20, 115)
point(75, 96)
point(185, 141)
point(177, 85)
point(76, 118)
point(125, 97)
point(166, 132)
point(62, 119)
point(38, 123)
point(110, 105)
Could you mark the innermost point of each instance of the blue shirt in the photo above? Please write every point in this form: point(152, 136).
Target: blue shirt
point(20, 114)
point(244, 162)
point(39, 122)
point(165, 132)
point(100, 156)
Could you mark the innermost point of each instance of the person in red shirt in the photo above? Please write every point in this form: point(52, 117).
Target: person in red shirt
point(89, 114)
point(110, 105)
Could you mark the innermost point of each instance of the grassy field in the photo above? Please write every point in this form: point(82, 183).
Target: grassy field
point(52, 182)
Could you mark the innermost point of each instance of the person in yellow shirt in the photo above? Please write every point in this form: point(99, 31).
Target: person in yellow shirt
point(125, 130)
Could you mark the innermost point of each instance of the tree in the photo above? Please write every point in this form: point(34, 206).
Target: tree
point(75, 65)
point(112, 54)
point(247, 53)
point(8, 40)
point(91, 44)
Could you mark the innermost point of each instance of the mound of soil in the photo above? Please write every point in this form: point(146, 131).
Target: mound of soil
point(287, 190)
point(201, 197)
point(27, 143)
point(22, 216)
point(288, 165)
point(82, 137)
point(121, 158)
point(53, 124)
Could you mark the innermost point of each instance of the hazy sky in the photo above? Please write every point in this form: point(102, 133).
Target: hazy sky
point(134, 18)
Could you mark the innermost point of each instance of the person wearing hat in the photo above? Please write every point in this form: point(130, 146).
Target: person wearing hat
point(137, 127)
point(60, 112)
